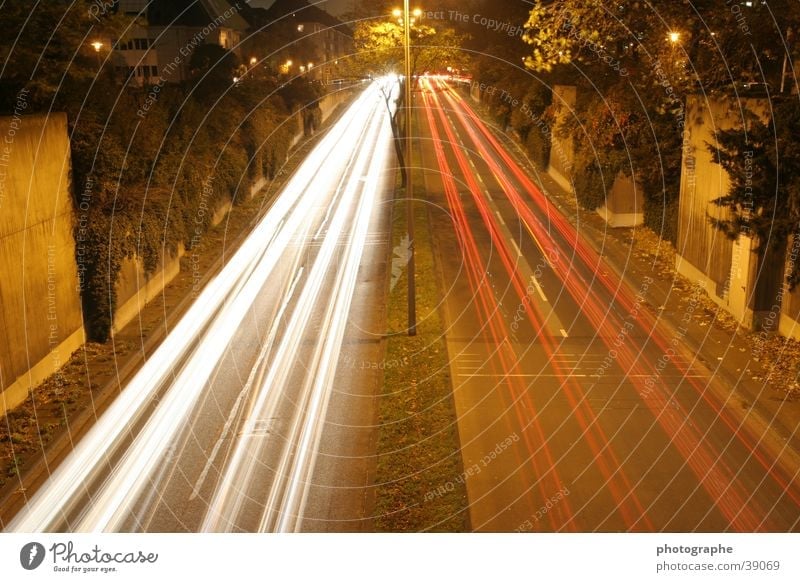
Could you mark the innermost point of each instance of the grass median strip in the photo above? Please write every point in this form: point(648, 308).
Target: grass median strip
point(420, 485)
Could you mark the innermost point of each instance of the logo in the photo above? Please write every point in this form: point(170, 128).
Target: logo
point(31, 555)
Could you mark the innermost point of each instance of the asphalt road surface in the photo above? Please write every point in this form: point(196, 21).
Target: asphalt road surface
point(578, 409)
point(247, 417)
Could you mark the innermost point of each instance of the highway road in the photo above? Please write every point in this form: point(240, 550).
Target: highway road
point(244, 419)
point(579, 409)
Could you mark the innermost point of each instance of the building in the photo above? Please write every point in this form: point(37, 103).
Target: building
point(163, 34)
point(296, 37)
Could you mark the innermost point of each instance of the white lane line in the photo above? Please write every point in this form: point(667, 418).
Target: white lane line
point(521, 375)
point(516, 247)
point(539, 289)
point(248, 385)
point(500, 217)
point(563, 332)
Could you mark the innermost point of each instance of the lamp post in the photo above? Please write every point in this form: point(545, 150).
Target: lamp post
point(412, 291)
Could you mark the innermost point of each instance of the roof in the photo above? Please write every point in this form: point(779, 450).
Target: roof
point(305, 12)
point(194, 13)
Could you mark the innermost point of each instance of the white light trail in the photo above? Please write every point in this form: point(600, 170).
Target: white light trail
point(199, 341)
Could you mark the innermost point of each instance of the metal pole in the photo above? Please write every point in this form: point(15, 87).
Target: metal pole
point(412, 302)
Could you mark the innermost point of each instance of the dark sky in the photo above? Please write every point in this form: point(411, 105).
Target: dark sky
point(332, 6)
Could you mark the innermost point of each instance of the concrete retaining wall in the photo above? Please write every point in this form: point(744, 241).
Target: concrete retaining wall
point(624, 205)
point(562, 151)
point(41, 322)
point(724, 268)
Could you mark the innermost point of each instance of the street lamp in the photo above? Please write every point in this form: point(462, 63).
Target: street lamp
point(674, 37)
point(412, 301)
point(97, 45)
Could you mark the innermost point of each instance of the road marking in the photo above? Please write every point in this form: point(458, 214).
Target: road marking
point(538, 244)
point(500, 218)
point(563, 332)
point(539, 289)
point(251, 380)
point(516, 246)
point(521, 375)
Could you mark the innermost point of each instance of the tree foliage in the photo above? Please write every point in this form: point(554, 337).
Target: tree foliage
point(638, 61)
point(379, 48)
point(149, 164)
point(762, 161)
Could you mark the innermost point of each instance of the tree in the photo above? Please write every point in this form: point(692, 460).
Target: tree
point(380, 51)
point(639, 60)
point(762, 161)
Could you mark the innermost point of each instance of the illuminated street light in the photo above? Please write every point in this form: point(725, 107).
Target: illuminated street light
point(97, 45)
point(674, 37)
point(253, 61)
point(406, 22)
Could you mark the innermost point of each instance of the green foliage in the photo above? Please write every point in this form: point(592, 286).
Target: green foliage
point(716, 46)
point(624, 55)
point(379, 48)
point(762, 161)
point(148, 167)
point(47, 43)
